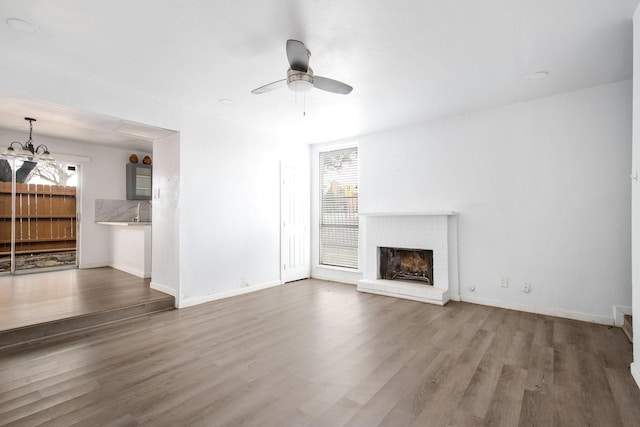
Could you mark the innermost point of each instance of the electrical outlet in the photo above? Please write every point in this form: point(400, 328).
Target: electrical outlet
point(504, 282)
point(526, 287)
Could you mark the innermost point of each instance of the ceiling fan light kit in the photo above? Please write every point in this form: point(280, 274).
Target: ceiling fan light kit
point(300, 76)
point(299, 81)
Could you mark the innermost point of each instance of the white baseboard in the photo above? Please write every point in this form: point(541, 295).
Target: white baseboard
point(618, 314)
point(94, 265)
point(601, 320)
point(188, 302)
point(164, 289)
point(635, 373)
point(135, 272)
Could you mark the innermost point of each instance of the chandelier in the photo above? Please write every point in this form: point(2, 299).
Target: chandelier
point(27, 150)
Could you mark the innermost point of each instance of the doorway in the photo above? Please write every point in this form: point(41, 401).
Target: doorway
point(38, 216)
point(294, 228)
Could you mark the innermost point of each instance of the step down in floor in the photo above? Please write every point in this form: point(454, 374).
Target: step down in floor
point(57, 327)
point(627, 327)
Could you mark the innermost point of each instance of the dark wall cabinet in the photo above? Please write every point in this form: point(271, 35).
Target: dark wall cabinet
point(138, 181)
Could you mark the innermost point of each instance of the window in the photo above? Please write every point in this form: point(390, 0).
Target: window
point(339, 208)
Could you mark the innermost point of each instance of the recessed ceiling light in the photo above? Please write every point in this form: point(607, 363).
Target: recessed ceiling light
point(225, 101)
point(22, 25)
point(538, 75)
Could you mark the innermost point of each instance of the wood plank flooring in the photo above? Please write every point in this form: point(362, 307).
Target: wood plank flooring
point(48, 303)
point(316, 353)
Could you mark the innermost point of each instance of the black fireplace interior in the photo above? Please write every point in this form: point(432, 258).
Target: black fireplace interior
point(406, 264)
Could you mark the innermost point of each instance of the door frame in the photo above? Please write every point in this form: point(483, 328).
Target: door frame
point(302, 176)
point(13, 270)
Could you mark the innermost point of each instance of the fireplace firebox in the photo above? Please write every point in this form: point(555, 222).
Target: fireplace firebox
point(414, 265)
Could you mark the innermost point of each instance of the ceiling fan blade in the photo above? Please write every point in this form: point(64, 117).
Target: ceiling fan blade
point(270, 87)
point(298, 55)
point(331, 85)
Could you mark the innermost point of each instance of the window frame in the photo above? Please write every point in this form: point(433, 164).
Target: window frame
point(340, 215)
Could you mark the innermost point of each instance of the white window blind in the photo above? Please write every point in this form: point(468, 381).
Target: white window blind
point(339, 208)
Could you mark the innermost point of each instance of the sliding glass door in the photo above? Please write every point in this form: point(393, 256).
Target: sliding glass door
point(38, 215)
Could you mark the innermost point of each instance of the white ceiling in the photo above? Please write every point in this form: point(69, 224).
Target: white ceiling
point(408, 60)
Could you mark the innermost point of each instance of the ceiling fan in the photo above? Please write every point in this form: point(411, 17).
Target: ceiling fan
point(300, 76)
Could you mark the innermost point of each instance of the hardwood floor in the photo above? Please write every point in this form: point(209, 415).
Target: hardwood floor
point(48, 303)
point(316, 353)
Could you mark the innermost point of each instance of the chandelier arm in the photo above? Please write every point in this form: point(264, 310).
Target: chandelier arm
point(44, 147)
point(12, 152)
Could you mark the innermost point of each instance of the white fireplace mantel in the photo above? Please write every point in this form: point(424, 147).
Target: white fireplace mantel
point(437, 231)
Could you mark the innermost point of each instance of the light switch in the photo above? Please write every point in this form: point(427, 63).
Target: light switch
point(156, 193)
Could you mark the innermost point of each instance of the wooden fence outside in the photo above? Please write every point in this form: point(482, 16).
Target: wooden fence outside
point(45, 218)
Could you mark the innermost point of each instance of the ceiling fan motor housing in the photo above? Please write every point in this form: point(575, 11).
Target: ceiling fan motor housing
point(300, 81)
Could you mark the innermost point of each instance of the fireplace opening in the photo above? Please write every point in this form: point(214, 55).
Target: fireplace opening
point(406, 264)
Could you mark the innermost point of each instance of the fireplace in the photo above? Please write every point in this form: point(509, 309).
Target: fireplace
point(411, 255)
point(414, 265)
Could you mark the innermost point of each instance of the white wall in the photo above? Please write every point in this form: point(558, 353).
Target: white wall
point(230, 208)
point(542, 192)
point(131, 249)
point(102, 177)
point(166, 215)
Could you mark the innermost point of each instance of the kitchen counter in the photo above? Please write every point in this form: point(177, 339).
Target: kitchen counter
point(130, 244)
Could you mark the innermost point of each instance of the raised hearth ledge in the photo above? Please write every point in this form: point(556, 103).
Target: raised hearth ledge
point(433, 213)
point(405, 290)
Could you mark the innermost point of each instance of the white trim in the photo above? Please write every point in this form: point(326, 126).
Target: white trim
point(337, 268)
point(332, 146)
point(618, 314)
point(140, 273)
point(164, 289)
point(70, 158)
point(94, 265)
point(435, 213)
point(281, 260)
point(635, 373)
point(188, 302)
point(601, 320)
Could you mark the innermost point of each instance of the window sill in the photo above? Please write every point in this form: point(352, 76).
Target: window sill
point(335, 268)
